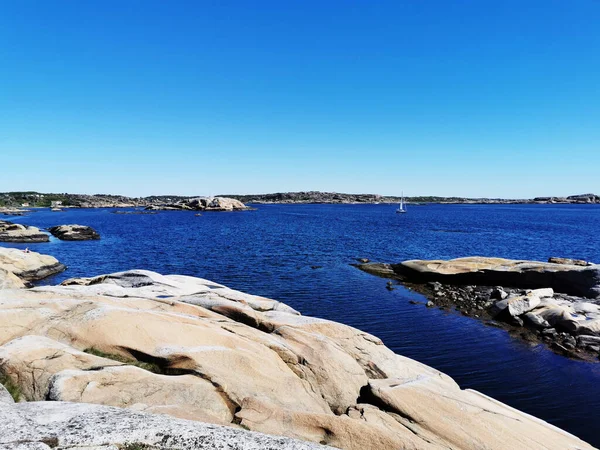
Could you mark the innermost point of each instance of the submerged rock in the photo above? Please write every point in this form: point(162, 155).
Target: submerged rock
point(74, 233)
point(188, 347)
point(536, 321)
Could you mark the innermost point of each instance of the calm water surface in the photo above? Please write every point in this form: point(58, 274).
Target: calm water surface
point(270, 252)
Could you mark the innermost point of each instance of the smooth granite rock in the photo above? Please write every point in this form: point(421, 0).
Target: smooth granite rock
point(188, 347)
point(74, 233)
point(9, 280)
point(41, 425)
point(28, 266)
point(577, 280)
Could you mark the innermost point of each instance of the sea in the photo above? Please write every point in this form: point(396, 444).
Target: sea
point(302, 255)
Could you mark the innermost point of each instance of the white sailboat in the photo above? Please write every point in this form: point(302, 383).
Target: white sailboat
point(402, 208)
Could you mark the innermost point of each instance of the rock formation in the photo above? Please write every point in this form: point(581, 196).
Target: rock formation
point(74, 233)
point(17, 233)
point(26, 265)
point(194, 349)
point(559, 302)
point(578, 280)
point(202, 204)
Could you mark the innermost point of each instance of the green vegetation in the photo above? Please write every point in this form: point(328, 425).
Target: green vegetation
point(135, 446)
point(33, 199)
point(13, 389)
point(150, 367)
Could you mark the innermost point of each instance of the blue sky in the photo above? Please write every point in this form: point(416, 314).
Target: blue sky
point(470, 97)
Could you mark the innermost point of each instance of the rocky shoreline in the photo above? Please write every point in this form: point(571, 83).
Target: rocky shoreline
point(555, 303)
point(11, 203)
point(136, 360)
point(335, 197)
point(16, 203)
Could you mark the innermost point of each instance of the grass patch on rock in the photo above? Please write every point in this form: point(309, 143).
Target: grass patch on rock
point(150, 367)
point(134, 446)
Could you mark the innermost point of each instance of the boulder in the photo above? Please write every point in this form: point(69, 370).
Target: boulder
point(541, 292)
point(74, 233)
point(559, 317)
point(584, 340)
point(535, 321)
point(587, 309)
point(583, 281)
point(516, 305)
point(589, 327)
point(498, 293)
point(28, 266)
point(17, 233)
point(188, 347)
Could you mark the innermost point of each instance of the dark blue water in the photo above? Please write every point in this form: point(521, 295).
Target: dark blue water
point(270, 252)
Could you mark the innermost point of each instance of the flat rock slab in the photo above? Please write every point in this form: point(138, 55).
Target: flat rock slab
point(570, 279)
point(28, 266)
point(74, 233)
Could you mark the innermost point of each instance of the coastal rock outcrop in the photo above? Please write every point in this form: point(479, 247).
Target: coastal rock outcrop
point(558, 301)
point(202, 204)
point(27, 265)
point(74, 233)
point(188, 347)
point(17, 233)
point(577, 280)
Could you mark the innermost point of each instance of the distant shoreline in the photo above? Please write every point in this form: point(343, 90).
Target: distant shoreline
point(36, 199)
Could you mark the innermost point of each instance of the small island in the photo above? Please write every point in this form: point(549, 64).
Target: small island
point(555, 302)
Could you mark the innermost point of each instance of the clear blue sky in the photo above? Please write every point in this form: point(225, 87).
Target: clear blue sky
point(465, 97)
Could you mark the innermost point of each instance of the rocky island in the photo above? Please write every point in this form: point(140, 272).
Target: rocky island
point(74, 233)
point(16, 232)
point(137, 359)
point(556, 302)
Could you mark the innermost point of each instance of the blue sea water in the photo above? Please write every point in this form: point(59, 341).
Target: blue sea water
point(271, 252)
